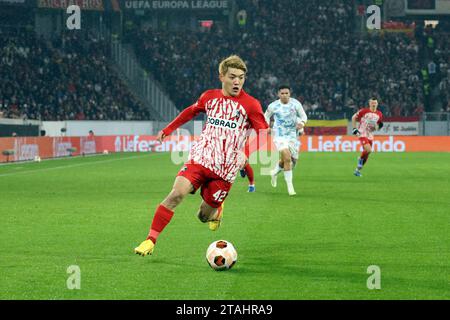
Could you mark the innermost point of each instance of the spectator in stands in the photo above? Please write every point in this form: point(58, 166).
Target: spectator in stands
point(69, 80)
point(418, 111)
point(330, 65)
point(334, 68)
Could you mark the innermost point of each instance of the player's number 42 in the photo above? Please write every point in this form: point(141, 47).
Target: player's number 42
point(219, 195)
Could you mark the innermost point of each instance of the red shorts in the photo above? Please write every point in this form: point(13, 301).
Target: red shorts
point(214, 189)
point(364, 141)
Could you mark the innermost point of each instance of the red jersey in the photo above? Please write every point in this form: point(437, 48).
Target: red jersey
point(225, 133)
point(368, 121)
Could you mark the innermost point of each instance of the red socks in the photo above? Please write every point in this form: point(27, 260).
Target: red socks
point(160, 220)
point(364, 156)
point(250, 174)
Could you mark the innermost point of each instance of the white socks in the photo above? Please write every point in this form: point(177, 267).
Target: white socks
point(288, 176)
point(288, 179)
point(277, 170)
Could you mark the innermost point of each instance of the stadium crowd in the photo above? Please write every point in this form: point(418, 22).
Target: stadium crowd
point(331, 67)
point(441, 58)
point(68, 78)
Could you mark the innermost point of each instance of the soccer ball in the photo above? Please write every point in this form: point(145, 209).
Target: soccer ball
point(221, 255)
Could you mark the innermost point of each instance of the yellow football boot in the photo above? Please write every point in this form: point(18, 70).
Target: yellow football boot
point(145, 248)
point(214, 225)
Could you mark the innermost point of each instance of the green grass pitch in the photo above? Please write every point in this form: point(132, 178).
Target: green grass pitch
point(92, 211)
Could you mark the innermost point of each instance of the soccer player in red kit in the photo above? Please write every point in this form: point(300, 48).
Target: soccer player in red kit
point(247, 170)
point(215, 159)
point(370, 119)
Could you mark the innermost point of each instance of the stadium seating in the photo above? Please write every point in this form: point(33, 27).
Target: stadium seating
point(68, 78)
point(441, 56)
point(332, 67)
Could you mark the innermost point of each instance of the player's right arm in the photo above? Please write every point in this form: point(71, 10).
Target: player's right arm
point(355, 130)
point(302, 118)
point(268, 116)
point(357, 118)
point(185, 116)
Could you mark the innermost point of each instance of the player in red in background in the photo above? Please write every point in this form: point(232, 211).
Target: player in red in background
point(370, 119)
point(247, 170)
point(216, 157)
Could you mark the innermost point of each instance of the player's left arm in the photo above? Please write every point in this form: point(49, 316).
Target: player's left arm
point(257, 118)
point(258, 123)
point(380, 123)
point(302, 118)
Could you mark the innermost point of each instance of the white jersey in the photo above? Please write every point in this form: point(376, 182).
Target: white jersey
point(286, 117)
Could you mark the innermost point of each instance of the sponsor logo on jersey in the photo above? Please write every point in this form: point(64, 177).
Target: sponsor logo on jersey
point(222, 123)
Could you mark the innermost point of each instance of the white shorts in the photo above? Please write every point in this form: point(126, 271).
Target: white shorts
point(292, 145)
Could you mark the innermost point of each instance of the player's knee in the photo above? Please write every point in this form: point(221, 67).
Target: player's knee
point(175, 197)
point(286, 156)
point(288, 161)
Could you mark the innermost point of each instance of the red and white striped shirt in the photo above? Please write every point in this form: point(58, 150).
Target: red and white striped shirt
point(368, 121)
point(225, 132)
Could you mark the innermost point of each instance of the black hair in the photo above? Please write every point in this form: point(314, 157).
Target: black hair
point(284, 86)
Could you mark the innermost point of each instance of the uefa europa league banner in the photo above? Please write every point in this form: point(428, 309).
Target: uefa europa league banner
point(176, 4)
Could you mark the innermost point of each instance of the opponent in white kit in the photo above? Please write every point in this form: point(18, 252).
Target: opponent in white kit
point(289, 120)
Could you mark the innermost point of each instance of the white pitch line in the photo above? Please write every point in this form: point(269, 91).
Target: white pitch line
point(69, 166)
